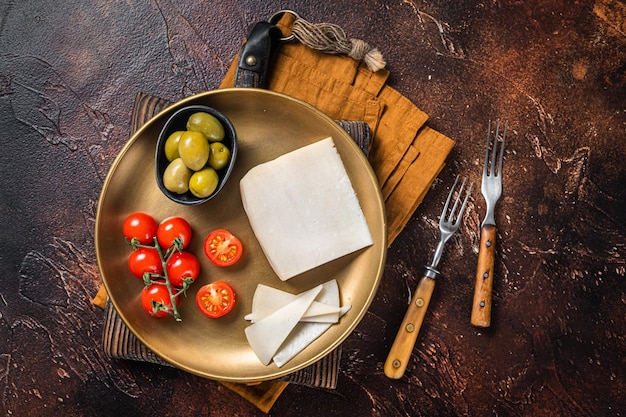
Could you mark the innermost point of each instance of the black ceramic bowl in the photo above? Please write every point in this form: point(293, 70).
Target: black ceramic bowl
point(178, 121)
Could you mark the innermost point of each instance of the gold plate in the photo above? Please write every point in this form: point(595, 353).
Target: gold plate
point(268, 124)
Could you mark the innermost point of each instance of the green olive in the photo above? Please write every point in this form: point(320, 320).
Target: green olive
point(194, 150)
point(203, 183)
point(219, 155)
point(176, 176)
point(207, 124)
point(171, 145)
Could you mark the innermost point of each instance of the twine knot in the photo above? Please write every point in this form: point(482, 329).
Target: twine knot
point(332, 39)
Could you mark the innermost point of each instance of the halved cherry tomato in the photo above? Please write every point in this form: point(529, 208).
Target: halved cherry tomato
point(182, 265)
point(222, 247)
point(144, 260)
point(141, 226)
point(153, 297)
point(171, 228)
point(215, 299)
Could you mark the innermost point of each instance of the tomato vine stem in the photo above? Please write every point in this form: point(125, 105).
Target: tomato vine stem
point(163, 279)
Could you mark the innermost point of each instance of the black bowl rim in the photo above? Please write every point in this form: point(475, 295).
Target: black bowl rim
point(160, 162)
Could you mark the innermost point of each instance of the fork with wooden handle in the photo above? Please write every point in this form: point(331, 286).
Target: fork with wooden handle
point(491, 189)
point(402, 347)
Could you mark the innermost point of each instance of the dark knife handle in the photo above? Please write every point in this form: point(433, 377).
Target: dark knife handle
point(483, 287)
point(402, 347)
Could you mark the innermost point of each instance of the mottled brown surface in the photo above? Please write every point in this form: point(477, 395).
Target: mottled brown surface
point(69, 72)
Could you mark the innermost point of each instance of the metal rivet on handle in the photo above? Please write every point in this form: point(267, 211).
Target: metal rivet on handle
point(419, 302)
point(251, 60)
point(410, 327)
point(396, 363)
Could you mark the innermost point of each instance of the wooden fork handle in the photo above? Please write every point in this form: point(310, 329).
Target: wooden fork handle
point(483, 287)
point(402, 347)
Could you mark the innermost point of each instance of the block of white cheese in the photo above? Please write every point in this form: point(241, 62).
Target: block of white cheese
point(303, 209)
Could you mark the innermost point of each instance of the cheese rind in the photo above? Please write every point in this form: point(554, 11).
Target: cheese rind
point(303, 209)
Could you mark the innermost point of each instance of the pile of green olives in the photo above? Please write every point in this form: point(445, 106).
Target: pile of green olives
point(195, 155)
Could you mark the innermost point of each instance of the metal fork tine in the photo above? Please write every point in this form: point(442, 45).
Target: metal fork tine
point(506, 124)
point(494, 151)
point(450, 194)
point(486, 163)
point(459, 197)
point(493, 165)
point(460, 216)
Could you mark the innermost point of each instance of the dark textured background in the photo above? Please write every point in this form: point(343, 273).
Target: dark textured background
point(69, 72)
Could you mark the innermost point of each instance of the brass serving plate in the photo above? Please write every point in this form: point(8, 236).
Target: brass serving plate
point(268, 124)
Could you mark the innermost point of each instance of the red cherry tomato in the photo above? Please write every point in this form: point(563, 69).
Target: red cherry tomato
point(222, 247)
point(182, 265)
point(171, 228)
point(215, 299)
point(144, 260)
point(156, 295)
point(141, 226)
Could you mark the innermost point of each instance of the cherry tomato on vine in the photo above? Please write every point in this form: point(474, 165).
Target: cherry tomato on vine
point(182, 265)
point(156, 295)
point(144, 260)
point(222, 247)
point(141, 226)
point(216, 299)
point(171, 228)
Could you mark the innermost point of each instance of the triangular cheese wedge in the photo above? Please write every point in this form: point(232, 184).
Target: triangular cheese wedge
point(266, 335)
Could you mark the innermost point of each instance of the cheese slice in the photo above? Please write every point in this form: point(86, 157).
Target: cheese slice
point(267, 299)
point(302, 336)
point(273, 335)
point(306, 333)
point(266, 335)
point(303, 209)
